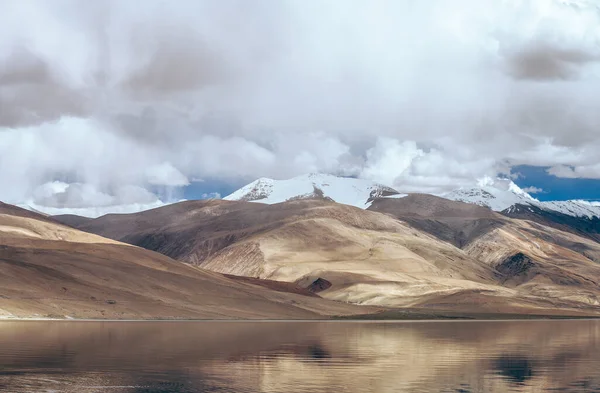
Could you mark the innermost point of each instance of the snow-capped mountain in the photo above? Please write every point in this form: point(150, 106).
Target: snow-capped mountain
point(575, 208)
point(503, 194)
point(349, 191)
point(498, 195)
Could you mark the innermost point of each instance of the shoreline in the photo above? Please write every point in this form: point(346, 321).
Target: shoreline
point(330, 320)
point(385, 316)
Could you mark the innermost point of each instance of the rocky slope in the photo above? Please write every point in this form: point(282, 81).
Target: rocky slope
point(51, 270)
point(533, 259)
point(579, 217)
point(417, 251)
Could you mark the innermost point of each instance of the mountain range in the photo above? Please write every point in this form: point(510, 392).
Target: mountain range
point(310, 247)
point(499, 194)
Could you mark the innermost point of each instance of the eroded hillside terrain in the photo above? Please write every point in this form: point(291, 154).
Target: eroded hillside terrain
point(48, 270)
point(416, 251)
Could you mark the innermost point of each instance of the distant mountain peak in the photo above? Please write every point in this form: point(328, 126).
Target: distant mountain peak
point(497, 194)
point(345, 190)
point(503, 195)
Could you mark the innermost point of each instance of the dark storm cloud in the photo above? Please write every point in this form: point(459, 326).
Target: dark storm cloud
point(31, 94)
point(179, 63)
point(541, 61)
point(23, 68)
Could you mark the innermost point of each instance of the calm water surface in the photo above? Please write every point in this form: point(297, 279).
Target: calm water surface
point(83, 357)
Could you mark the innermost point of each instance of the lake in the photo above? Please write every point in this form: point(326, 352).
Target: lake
point(294, 357)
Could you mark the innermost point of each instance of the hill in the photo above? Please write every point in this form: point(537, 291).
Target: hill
point(51, 270)
point(417, 251)
point(534, 259)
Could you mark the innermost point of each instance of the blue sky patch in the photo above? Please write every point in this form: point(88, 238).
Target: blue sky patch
point(207, 188)
point(556, 188)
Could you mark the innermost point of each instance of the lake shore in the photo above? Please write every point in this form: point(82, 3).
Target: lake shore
point(389, 316)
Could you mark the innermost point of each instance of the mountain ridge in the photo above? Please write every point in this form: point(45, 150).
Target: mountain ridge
point(502, 194)
point(50, 270)
point(497, 194)
point(413, 251)
point(345, 190)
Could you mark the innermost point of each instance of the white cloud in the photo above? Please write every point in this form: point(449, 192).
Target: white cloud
point(576, 172)
point(86, 200)
point(165, 174)
point(389, 159)
point(412, 169)
point(422, 96)
point(210, 195)
point(78, 195)
point(533, 190)
point(49, 190)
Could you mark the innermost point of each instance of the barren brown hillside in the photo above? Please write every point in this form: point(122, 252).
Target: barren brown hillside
point(406, 256)
point(50, 270)
point(533, 259)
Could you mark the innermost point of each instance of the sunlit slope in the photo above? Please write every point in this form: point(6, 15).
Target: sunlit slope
point(419, 251)
point(531, 258)
point(50, 270)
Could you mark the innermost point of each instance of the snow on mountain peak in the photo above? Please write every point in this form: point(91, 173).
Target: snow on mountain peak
point(257, 190)
point(349, 191)
point(497, 194)
point(503, 194)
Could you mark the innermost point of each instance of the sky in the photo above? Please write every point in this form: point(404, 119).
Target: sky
point(110, 104)
point(546, 187)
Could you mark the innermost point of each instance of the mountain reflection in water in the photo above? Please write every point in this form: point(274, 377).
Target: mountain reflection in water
point(498, 356)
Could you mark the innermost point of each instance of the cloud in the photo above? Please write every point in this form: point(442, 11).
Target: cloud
point(76, 195)
point(540, 62)
point(425, 97)
point(576, 172)
point(389, 159)
point(31, 94)
point(87, 200)
point(166, 174)
point(533, 190)
point(179, 63)
point(515, 175)
point(210, 195)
